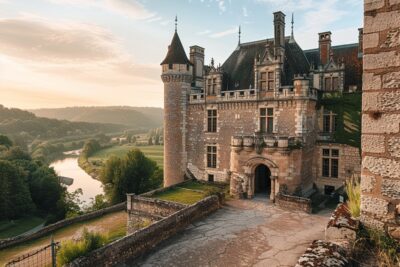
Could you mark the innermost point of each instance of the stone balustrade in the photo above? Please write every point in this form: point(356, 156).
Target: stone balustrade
point(249, 142)
point(247, 94)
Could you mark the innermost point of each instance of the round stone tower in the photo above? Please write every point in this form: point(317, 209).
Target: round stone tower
point(177, 73)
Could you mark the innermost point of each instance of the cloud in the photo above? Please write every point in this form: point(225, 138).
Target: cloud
point(221, 5)
point(33, 39)
point(224, 33)
point(245, 12)
point(203, 32)
point(130, 8)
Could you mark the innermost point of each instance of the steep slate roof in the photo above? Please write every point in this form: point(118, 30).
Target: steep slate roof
point(348, 54)
point(239, 67)
point(176, 53)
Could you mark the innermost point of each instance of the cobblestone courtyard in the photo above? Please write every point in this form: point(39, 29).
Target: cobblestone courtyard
point(242, 233)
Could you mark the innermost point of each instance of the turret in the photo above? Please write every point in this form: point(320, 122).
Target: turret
point(177, 76)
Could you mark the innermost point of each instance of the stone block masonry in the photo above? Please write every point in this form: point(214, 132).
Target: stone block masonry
point(380, 180)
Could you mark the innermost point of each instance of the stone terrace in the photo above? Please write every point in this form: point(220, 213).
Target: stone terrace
point(242, 233)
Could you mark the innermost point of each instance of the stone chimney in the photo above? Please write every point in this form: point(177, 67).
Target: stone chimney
point(325, 43)
point(279, 29)
point(197, 59)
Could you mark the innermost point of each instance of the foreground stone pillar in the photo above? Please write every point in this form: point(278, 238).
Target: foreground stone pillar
point(380, 181)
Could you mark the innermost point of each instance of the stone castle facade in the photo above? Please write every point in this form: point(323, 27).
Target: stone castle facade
point(258, 121)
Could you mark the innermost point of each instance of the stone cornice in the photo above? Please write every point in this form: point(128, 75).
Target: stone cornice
point(169, 77)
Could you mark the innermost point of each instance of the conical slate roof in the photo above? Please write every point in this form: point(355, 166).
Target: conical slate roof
point(176, 53)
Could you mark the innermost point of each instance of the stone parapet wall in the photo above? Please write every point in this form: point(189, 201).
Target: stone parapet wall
point(58, 225)
point(293, 203)
point(141, 241)
point(380, 182)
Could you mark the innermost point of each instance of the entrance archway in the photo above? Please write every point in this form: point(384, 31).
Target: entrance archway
point(262, 180)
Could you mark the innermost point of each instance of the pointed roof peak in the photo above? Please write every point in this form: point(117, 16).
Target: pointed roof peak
point(292, 34)
point(176, 53)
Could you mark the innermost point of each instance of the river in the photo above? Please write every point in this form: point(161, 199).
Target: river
point(69, 167)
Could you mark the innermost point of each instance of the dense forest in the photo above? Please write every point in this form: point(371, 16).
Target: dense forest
point(132, 117)
point(28, 187)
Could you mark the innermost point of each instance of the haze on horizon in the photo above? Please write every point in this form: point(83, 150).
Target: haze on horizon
point(58, 53)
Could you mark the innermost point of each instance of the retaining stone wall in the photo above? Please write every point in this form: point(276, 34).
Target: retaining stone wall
point(142, 241)
point(380, 180)
point(293, 203)
point(60, 224)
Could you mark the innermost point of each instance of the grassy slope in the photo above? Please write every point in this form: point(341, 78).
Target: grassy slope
point(348, 109)
point(114, 224)
point(20, 226)
point(184, 193)
point(155, 153)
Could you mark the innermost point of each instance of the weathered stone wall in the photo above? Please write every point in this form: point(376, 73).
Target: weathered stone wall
point(293, 203)
point(141, 241)
point(380, 201)
point(143, 211)
point(349, 164)
point(55, 226)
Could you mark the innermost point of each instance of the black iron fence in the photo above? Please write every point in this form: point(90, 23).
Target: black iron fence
point(43, 257)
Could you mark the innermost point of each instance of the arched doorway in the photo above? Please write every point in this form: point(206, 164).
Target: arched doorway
point(262, 180)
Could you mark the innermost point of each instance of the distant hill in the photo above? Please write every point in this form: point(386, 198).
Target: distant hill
point(133, 117)
point(15, 121)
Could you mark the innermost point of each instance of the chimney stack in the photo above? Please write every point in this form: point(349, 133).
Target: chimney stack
point(197, 59)
point(325, 43)
point(279, 28)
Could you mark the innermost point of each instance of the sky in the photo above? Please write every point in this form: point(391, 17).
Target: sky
point(58, 53)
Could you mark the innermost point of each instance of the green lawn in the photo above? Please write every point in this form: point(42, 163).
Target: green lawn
point(20, 226)
point(188, 193)
point(155, 153)
point(113, 224)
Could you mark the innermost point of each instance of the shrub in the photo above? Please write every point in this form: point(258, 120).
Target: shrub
point(71, 250)
point(353, 190)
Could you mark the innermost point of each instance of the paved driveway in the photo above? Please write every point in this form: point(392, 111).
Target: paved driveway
point(243, 233)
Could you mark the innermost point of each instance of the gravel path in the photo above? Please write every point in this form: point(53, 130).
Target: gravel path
point(242, 233)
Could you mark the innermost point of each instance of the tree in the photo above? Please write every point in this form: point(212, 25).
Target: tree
point(16, 153)
point(14, 193)
point(5, 141)
point(132, 174)
point(150, 141)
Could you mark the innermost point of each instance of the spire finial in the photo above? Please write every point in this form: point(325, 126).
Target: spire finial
point(176, 23)
point(240, 32)
point(292, 23)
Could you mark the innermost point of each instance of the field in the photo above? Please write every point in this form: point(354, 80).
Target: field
point(155, 153)
point(189, 192)
point(9, 229)
point(113, 224)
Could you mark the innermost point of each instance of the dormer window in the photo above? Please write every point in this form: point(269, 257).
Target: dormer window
point(267, 80)
point(331, 83)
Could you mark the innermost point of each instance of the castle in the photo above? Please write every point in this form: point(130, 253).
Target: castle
point(259, 121)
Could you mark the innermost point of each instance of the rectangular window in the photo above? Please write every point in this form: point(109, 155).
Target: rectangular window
point(209, 86)
point(271, 81)
point(266, 120)
point(212, 120)
point(263, 85)
point(211, 177)
point(328, 84)
point(330, 163)
point(335, 83)
point(214, 86)
point(329, 122)
point(211, 156)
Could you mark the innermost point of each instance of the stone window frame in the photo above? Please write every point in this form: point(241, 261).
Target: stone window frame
point(330, 157)
point(331, 78)
point(267, 117)
point(266, 83)
point(213, 118)
point(331, 128)
point(211, 156)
